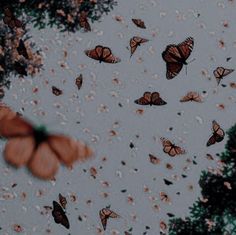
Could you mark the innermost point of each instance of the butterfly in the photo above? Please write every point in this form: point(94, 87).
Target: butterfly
point(164, 197)
point(105, 214)
point(56, 91)
point(83, 21)
point(79, 81)
point(59, 215)
point(135, 42)
point(191, 96)
point(154, 160)
point(221, 72)
point(218, 134)
point(150, 99)
point(139, 23)
point(35, 147)
point(21, 49)
point(171, 149)
point(10, 20)
point(20, 68)
point(102, 54)
point(175, 56)
point(62, 201)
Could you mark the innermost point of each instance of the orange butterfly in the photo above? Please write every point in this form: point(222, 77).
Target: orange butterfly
point(102, 54)
point(175, 57)
point(10, 20)
point(221, 72)
point(105, 214)
point(191, 96)
point(150, 99)
point(139, 23)
point(36, 148)
point(83, 21)
point(135, 42)
point(171, 149)
point(218, 134)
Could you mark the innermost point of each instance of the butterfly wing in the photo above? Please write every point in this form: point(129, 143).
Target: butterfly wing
point(62, 201)
point(156, 99)
point(103, 217)
point(59, 215)
point(139, 23)
point(186, 48)
point(133, 46)
point(211, 141)
point(145, 100)
point(21, 49)
point(96, 53)
point(171, 54)
point(173, 69)
point(218, 131)
point(108, 57)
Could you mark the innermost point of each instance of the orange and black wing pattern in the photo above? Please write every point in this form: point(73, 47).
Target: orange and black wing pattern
point(139, 23)
point(221, 72)
point(105, 214)
point(191, 96)
point(135, 42)
point(171, 149)
point(149, 98)
point(218, 134)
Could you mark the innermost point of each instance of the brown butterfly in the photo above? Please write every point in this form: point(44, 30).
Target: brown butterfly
point(62, 201)
point(191, 96)
point(154, 160)
point(150, 99)
point(102, 54)
point(79, 81)
point(175, 57)
point(221, 72)
point(218, 134)
point(135, 42)
point(105, 214)
point(171, 149)
point(83, 21)
point(10, 20)
point(56, 91)
point(139, 23)
point(59, 215)
point(164, 197)
point(21, 49)
point(34, 147)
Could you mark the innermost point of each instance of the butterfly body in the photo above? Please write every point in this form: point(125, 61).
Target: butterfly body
point(149, 98)
point(59, 215)
point(218, 134)
point(176, 56)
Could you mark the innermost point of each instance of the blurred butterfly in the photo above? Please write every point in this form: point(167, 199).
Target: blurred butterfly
point(139, 23)
point(135, 42)
point(171, 149)
point(164, 197)
point(150, 99)
point(221, 72)
point(105, 214)
point(102, 54)
point(83, 21)
point(62, 201)
point(10, 20)
point(35, 147)
point(163, 226)
point(56, 91)
point(59, 215)
point(21, 49)
point(20, 68)
point(153, 159)
point(191, 96)
point(218, 134)
point(175, 57)
point(79, 81)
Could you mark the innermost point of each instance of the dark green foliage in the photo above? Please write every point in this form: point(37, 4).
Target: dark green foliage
point(219, 195)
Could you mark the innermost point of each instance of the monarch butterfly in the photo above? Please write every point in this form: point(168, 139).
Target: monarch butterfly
point(83, 21)
point(139, 23)
point(175, 56)
point(36, 148)
point(20, 68)
point(56, 91)
point(218, 134)
point(150, 99)
point(171, 149)
point(59, 215)
point(79, 81)
point(10, 20)
point(21, 49)
point(191, 96)
point(102, 54)
point(105, 214)
point(135, 42)
point(221, 72)
point(62, 200)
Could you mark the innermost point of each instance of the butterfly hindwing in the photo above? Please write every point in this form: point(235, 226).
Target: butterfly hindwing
point(173, 69)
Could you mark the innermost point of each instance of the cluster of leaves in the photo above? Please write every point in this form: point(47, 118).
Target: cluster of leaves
point(63, 14)
point(215, 213)
point(11, 62)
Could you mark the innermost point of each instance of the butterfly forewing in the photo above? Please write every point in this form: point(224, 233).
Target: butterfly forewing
point(156, 99)
point(59, 215)
point(186, 47)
